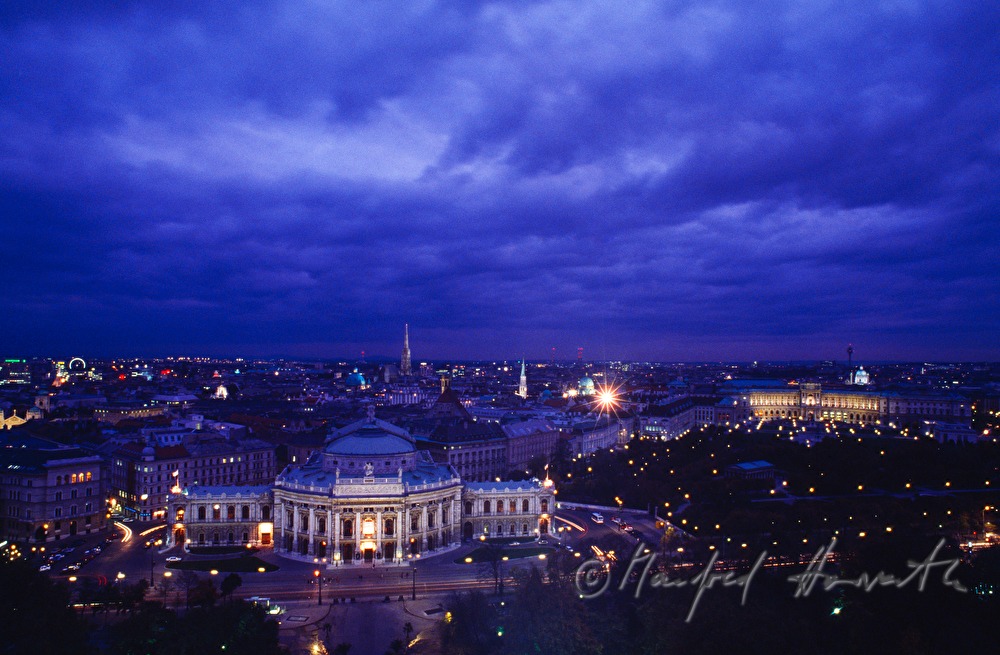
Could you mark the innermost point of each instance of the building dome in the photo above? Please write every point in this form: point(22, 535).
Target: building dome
point(370, 443)
point(369, 440)
point(586, 386)
point(355, 379)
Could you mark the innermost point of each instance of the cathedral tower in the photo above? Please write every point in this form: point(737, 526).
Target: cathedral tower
point(404, 362)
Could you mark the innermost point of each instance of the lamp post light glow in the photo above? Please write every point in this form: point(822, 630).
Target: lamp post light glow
point(319, 582)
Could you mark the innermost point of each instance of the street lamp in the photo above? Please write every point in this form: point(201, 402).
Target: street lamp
point(319, 582)
point(166, 580)
point(413, 595)
point(987, 507)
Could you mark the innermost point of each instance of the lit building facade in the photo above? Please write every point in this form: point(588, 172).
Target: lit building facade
point(368, 497)
point(143, 475)
point(222, 516)
point(48, 495)
point(507, 509)
point(811, 402)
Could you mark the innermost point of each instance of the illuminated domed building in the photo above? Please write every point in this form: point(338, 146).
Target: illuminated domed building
point(369, 496)
point(356, 381)
point(586, 387)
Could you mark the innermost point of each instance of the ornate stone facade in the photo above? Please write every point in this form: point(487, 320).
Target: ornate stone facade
point(368, 497)
point(810, 401)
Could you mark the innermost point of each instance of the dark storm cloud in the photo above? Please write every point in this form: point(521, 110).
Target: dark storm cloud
point(665, 180)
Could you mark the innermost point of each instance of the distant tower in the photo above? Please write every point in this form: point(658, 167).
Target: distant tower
point(850, 363)
point(362, 357)
point(579, 355)
point(404, 361)
point(522, 388)
point(552, 356)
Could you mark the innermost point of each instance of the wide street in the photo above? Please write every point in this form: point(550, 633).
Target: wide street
point(128, 559)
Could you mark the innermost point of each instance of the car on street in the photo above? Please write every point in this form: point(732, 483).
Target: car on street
point(173, 558)
point(44, 567)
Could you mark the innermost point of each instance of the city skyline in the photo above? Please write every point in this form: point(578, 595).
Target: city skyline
point(688, 182)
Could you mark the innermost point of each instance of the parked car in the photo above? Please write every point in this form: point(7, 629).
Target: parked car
point(44, 567)
point(173, 558)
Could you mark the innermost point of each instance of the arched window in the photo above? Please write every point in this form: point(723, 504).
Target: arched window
point(73, 479)
point(201, 516)
point(216, 513)
point(468, 508)
point(524, 528)
point(246, 538)
point(390, 527)
point(231, 539)
point(499, 507)
point(486, 507)
point(58, 479)
point(499, 529)
point(545, 506)
point(513, 529)
point(230, 512)
point(265, 513)
point(245, 513)
point(524, 505)
point(321, 528)
point(348, 528)
point(201, 538)
point(513, 508)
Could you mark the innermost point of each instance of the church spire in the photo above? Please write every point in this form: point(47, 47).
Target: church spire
point(404, 363)
point(522, 388)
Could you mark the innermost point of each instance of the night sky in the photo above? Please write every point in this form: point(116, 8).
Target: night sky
point(674, 181)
